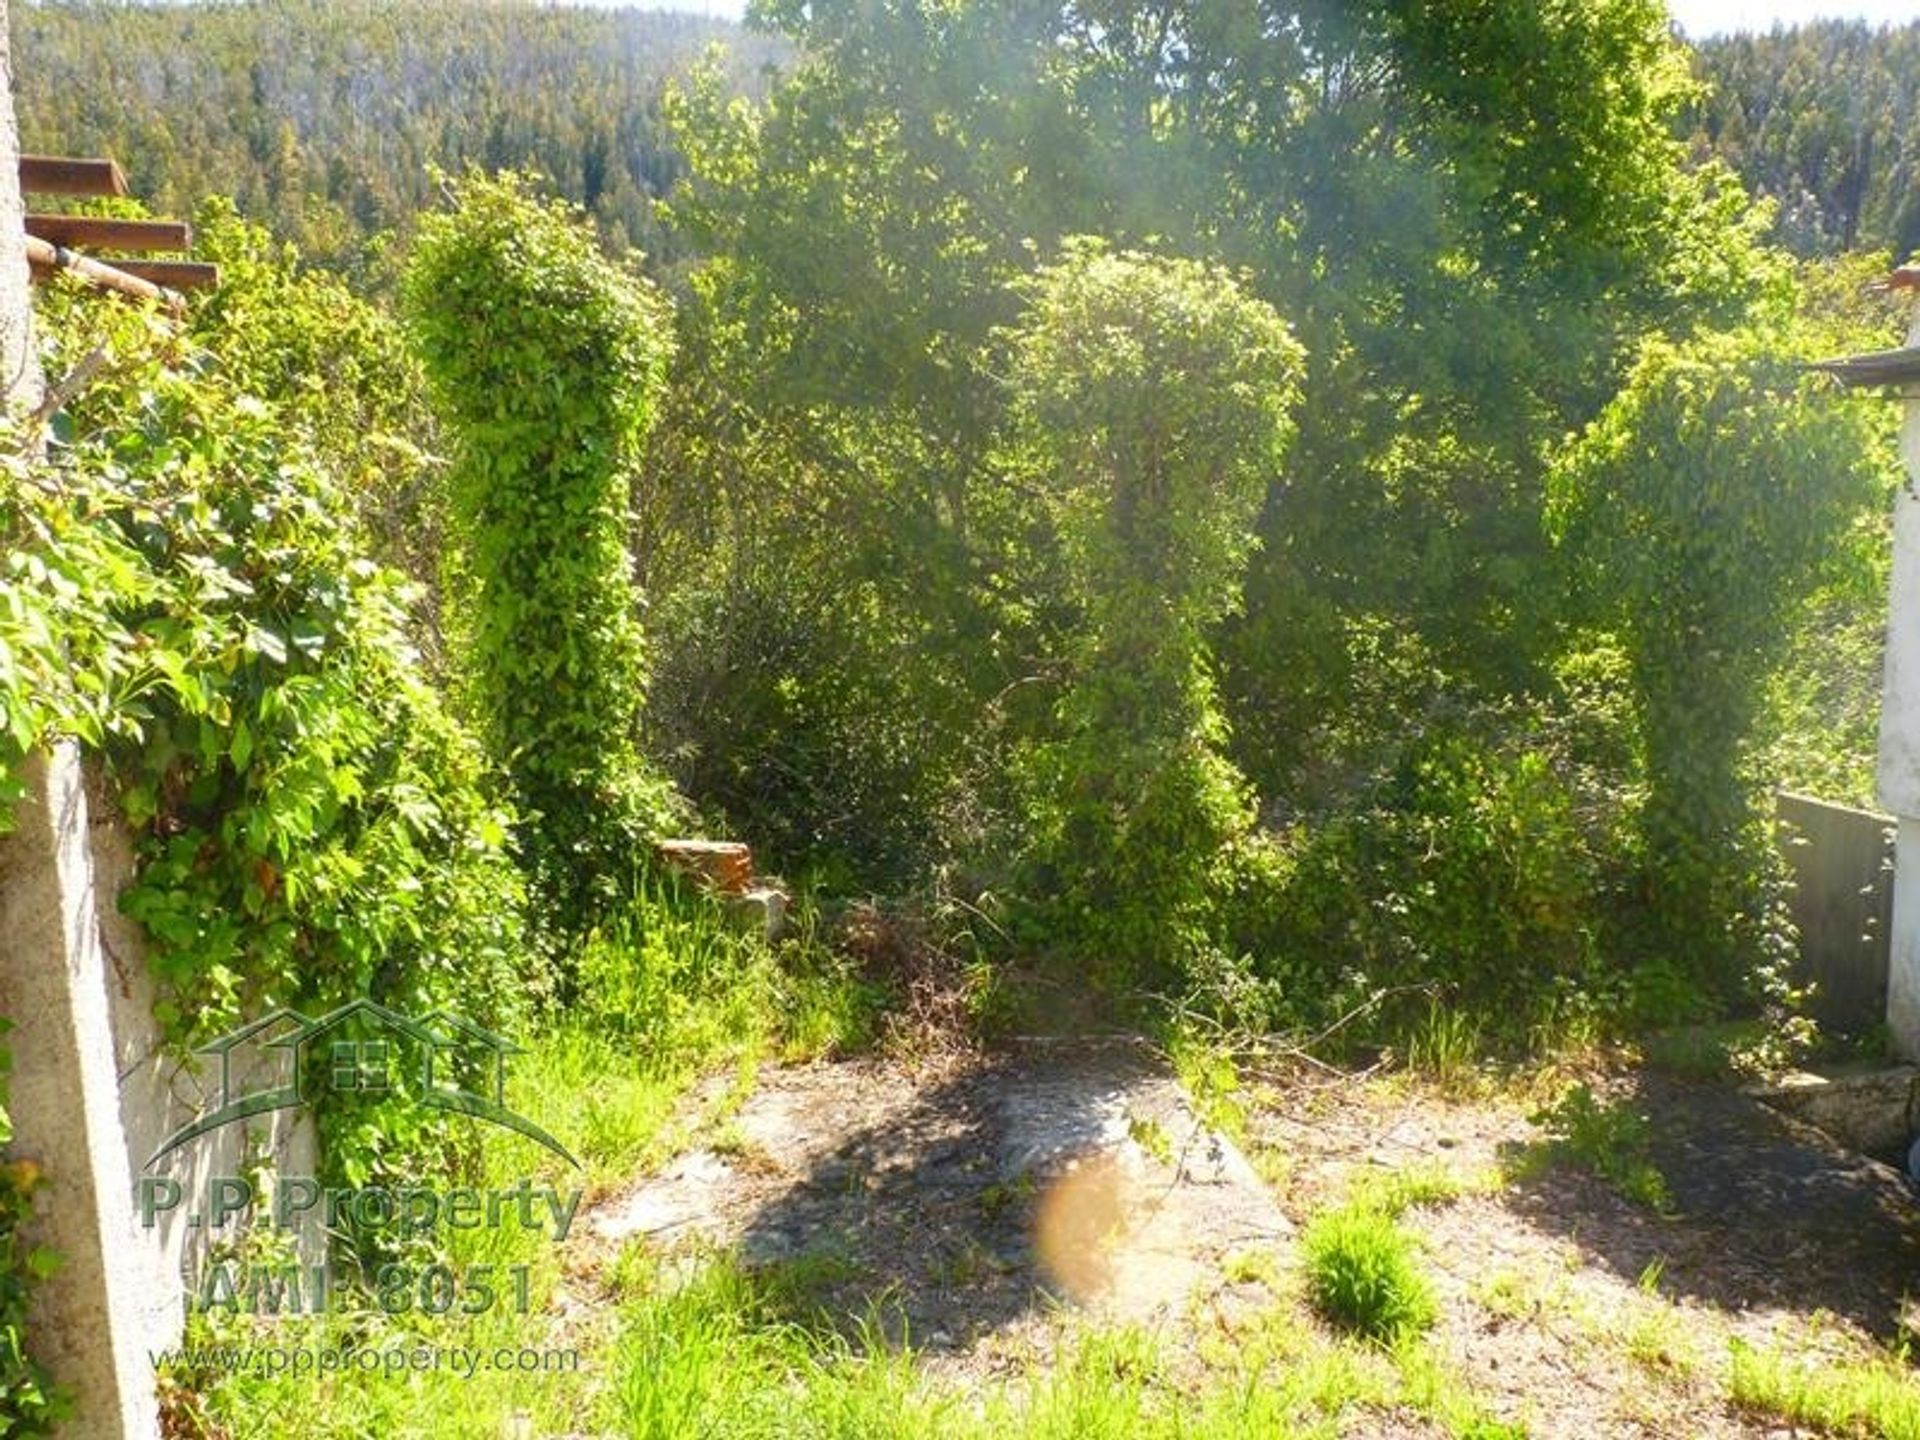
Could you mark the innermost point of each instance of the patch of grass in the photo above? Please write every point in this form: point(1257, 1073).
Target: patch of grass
point(668, 991)
point(1876, 1398)
point(1431, 1183)
point(1657, 1340)
point(827, 1009)
point(1362, 1274)
point(1247, 1267)
point(715, 1356)
point(1273, 1164)
point(1701, 1052)
point(1445, 1048)
point(1431, 1390)
point(1608, 1141)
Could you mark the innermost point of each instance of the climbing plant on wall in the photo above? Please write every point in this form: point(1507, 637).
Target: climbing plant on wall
point(187, 595)
point(1697, 513)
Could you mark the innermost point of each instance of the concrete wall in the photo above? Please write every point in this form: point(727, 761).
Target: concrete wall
point(91, 1323)
point(1842, 862)
point(160, 1091)
point(1897, 778)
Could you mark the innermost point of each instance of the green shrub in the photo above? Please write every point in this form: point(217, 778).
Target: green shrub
point(797, 704)
point(1468, 878)
point(1606, 1140)
point(1698, 513)
point(186, 593)
point(1150, 406)
point(310, 824)
point(1362, 1274)
point(548, 361)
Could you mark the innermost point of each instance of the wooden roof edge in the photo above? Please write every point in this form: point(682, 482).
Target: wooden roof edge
point(65, 175)
point(97, 232)
point(1877, 368)
point(173, 274)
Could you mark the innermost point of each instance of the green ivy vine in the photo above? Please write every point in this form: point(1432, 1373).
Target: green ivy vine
point(548, 361)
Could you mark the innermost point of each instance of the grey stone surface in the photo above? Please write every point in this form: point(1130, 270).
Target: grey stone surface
point(1873, 1113)
point(1842, 904)
point(93, 1323)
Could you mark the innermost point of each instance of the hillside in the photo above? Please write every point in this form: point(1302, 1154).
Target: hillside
point(1826, 118)
point(321, 117)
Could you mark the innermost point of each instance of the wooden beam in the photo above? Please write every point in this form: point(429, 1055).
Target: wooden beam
point(93, 232)
point(1882, 367)
point(173, 274)
point(57, 175)
point(46, 258)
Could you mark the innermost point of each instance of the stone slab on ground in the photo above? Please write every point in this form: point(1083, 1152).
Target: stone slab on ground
point(970, 1199)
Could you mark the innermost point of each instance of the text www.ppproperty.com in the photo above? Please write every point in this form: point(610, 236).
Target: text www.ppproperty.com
point(464, 1361)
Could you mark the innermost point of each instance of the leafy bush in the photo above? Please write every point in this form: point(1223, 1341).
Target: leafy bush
point(187, 594)
point(548, 361)
point(310, 825)
point(1698, 512)
point(337, 368)
point(1471, 874)
point(1362, 1274)
point(798, 706)
point(1149, 402)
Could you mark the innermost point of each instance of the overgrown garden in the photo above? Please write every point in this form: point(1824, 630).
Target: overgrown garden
point(1280, 519)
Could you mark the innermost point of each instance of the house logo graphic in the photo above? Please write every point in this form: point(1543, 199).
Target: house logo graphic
point(441, 1061)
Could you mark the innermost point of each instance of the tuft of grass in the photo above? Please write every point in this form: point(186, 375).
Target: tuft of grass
point(1879, 1398)
point(1445, 1048)
point(1413, 1187)
point(1246, 1267)
point(1608, 1141)
point(1362, 1274)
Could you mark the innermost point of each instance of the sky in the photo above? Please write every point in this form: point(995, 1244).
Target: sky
point(1717, 17)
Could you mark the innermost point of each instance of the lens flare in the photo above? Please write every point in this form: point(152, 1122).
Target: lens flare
point(1080, 1220)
